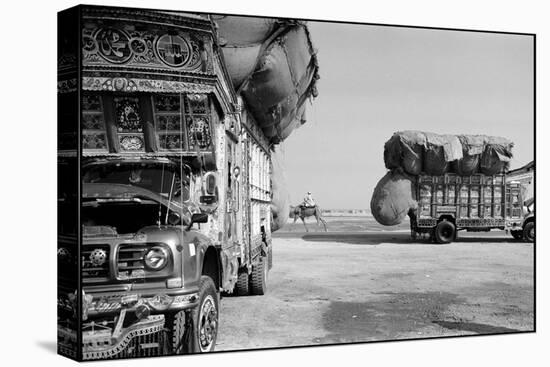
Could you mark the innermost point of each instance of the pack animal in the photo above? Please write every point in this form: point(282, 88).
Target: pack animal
point(305, 212)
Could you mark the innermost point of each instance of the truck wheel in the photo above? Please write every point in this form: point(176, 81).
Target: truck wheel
point(444, 232)
point(518, 235)
point(529, 232)
point(258, 278)
point(242, 288)
point(176, 325)
point(203, 330)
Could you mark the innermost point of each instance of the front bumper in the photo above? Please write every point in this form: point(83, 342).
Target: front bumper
point(96, 305)
point(513, 225)
point(122, 325)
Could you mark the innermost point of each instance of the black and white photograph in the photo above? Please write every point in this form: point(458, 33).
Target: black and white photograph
point(349, 182)
point(229, 181)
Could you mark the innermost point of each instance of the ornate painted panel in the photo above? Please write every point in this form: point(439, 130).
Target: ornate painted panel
point(145, 48)
point(93, 124)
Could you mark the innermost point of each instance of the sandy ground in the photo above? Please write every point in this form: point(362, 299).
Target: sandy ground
point(341, 287)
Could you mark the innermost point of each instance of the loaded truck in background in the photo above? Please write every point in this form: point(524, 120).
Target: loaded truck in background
point(177, 132)
point(448, 183)
point(476, 203)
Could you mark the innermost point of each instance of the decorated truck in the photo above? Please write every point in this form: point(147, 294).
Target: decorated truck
point(475, 203)
point(447, 183)
point(172, 206)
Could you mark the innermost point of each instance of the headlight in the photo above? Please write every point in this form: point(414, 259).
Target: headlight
point(156, 258)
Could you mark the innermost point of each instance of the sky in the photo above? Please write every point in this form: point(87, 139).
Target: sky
point(376, 80)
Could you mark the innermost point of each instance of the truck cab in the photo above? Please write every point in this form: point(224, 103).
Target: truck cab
point(523, 227)
point(146, 266)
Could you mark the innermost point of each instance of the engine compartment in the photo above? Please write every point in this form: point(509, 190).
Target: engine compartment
point(121, 217)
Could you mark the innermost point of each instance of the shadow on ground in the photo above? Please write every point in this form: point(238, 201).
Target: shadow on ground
point(397, 316)
point(376, 238)
point(385, 318)
point(476, 328)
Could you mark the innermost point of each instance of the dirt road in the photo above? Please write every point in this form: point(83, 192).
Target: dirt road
point(329, 288)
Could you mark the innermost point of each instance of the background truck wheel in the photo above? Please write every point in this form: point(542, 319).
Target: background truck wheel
point(258, 278)
point(529, 232)
point(203, 329)
point(242, 288)
point(518, 235)
point(444, 232)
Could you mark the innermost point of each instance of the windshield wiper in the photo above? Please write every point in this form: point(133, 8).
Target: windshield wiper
point(111, 200)
point(96, 201)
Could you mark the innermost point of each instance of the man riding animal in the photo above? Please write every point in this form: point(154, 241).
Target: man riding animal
point(308, 201)
point(308, 208)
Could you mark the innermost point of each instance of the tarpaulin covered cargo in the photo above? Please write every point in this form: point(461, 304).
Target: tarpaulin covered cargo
point(496, 156)
point(472, 147)
point(392, 198)
point(418, 152)
point(241, 39)
point(405, 149)
point(273, 64)
point(439, 151)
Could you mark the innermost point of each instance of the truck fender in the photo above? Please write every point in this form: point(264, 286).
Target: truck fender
point(208, 262)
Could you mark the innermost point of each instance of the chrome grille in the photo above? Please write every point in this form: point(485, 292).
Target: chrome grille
point(143, 339)
point(148, 345)
point(131, 259)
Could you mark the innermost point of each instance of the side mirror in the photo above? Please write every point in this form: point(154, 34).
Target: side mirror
point(198, 218)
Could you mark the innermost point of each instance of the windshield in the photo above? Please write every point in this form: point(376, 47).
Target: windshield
point(161, 178)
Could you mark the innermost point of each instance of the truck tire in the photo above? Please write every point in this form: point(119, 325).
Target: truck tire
point(529, 232)
point(176, 324)
point(258, 278)
point(445, 232)
point(518, 235)
point(203, 329)
point(242, 288)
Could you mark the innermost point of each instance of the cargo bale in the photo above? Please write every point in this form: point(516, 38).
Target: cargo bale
point(453, 148)
point(413, 144)
point(405, 149)
point(241, 39)
point(392, 152)
point(241, 61)
point(393, 198)
point(439, 152)
point(472, 147)
point(284, 77)
point(273, 63)
point(496, 156)
point(434, 155)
